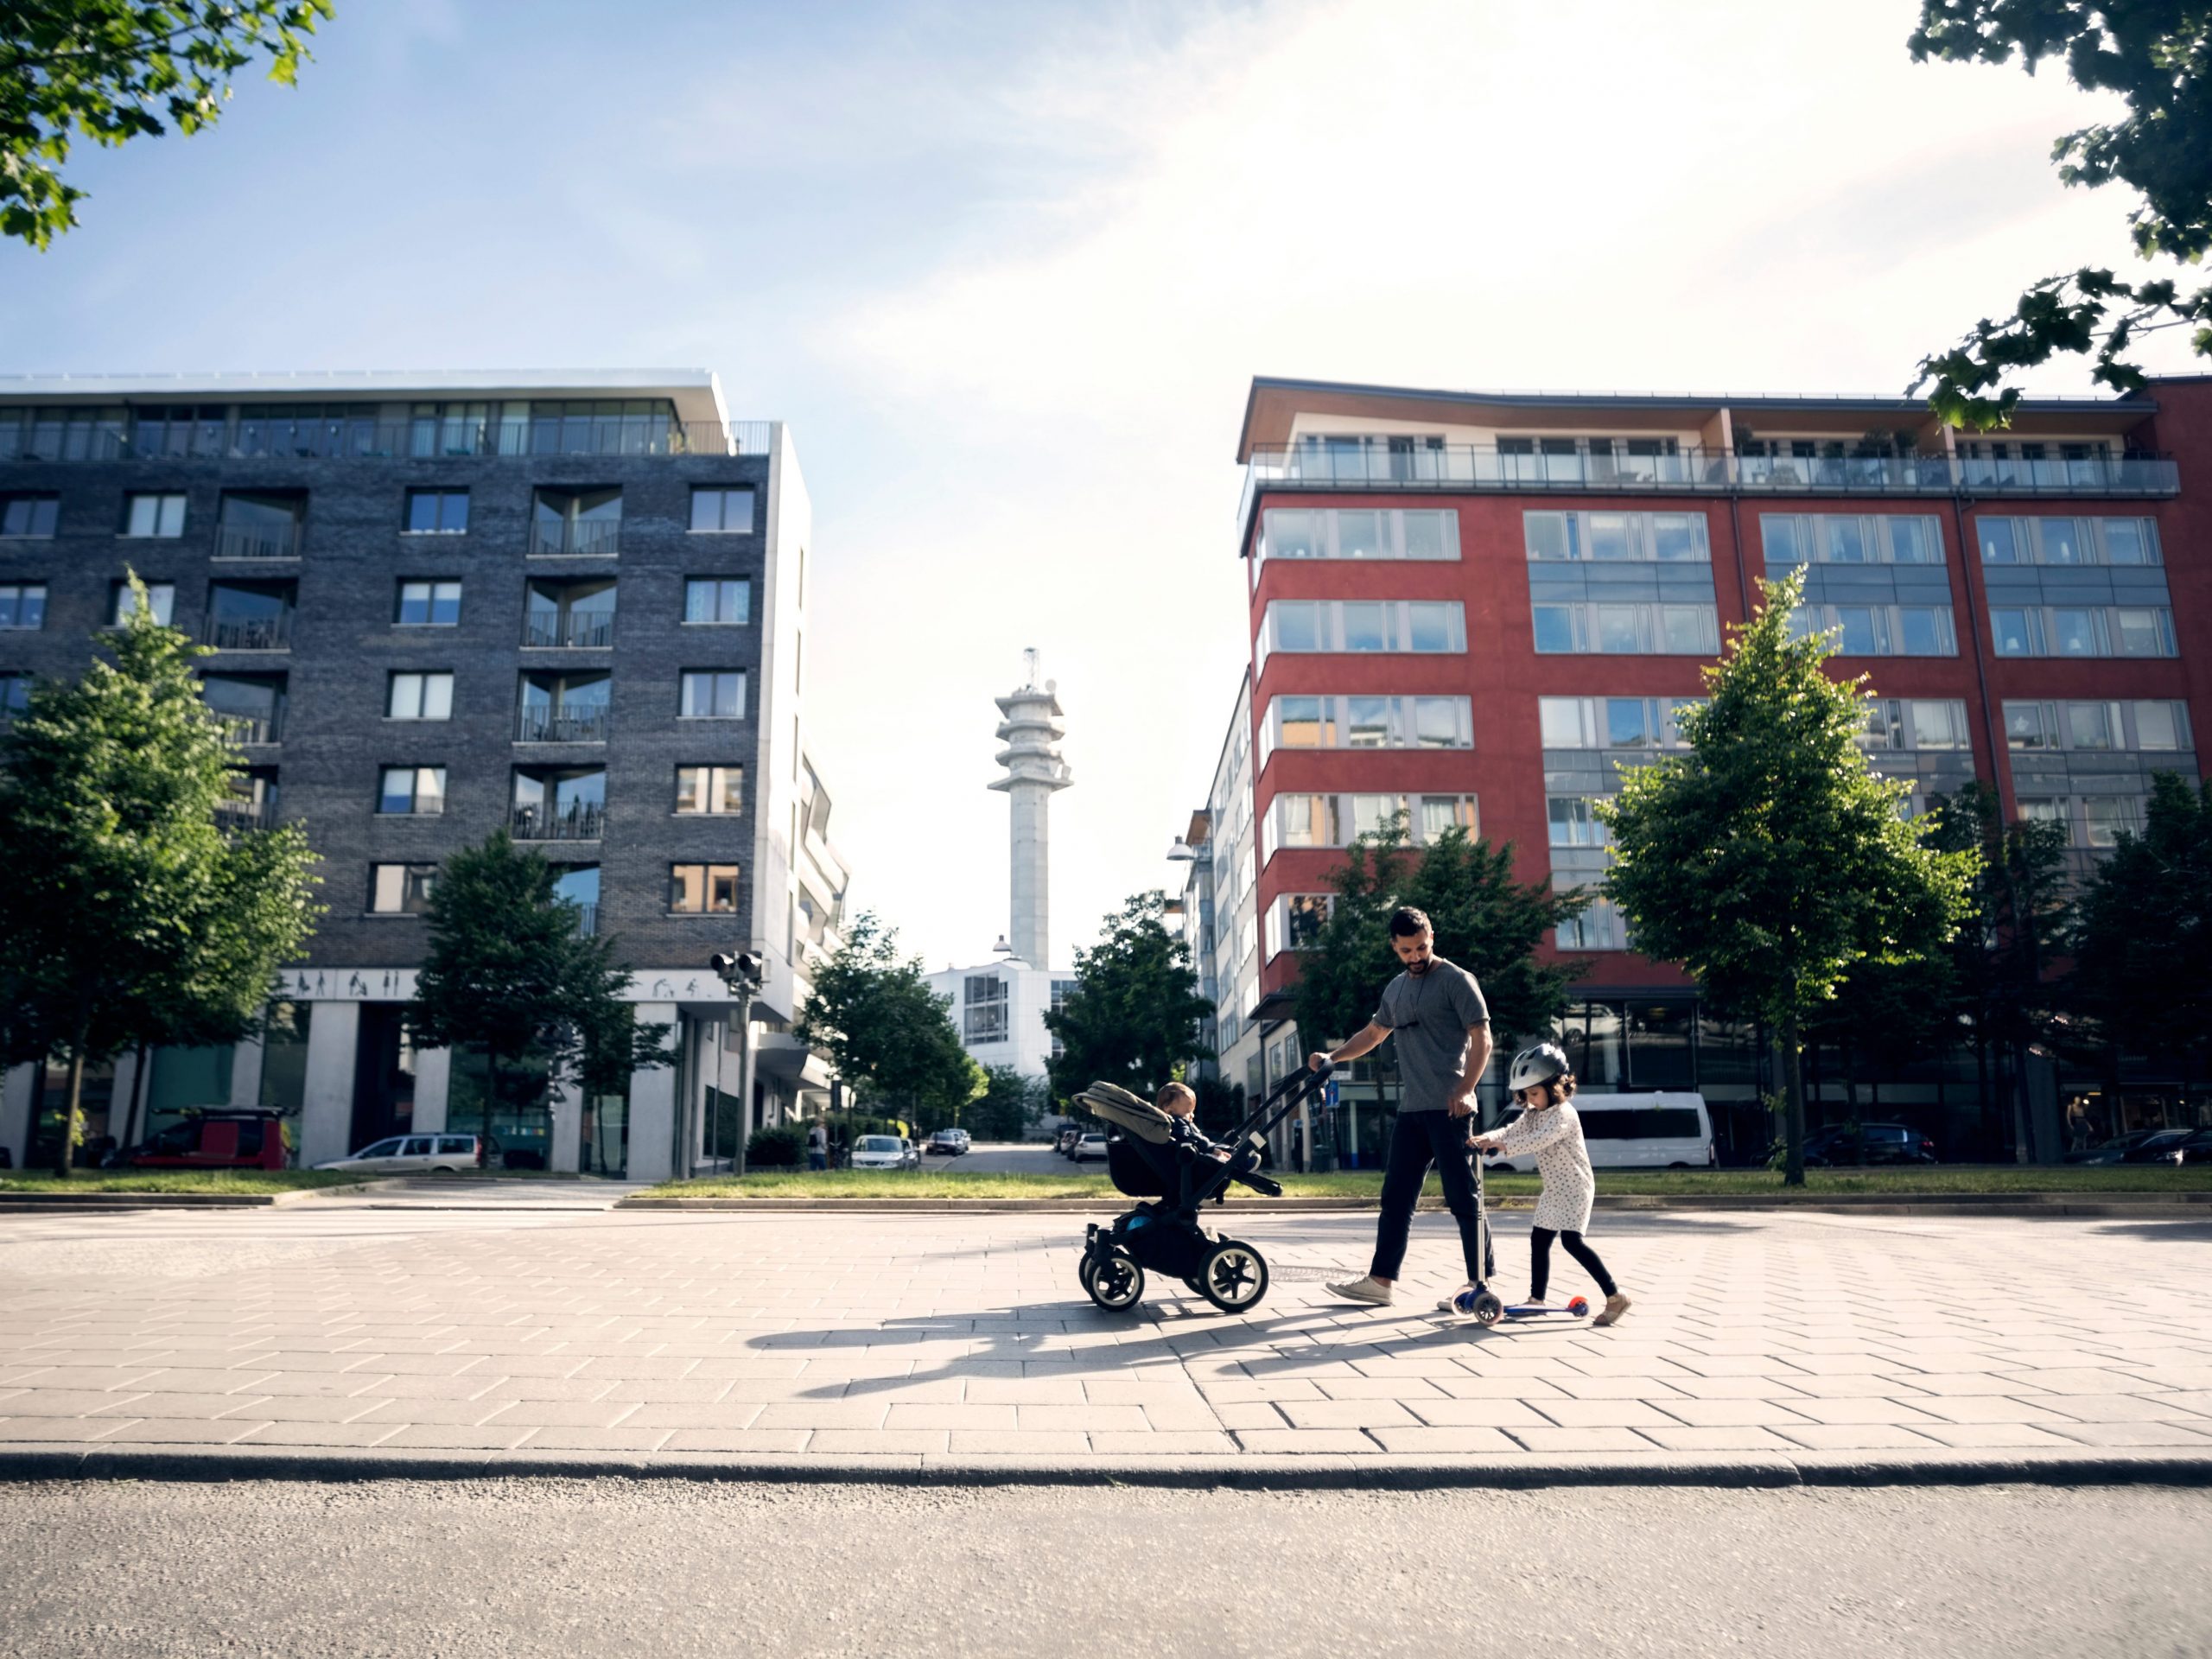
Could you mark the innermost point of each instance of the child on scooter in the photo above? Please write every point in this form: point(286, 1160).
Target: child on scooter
point(1552, 1129)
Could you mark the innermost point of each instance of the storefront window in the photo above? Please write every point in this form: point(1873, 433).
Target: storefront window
point(1659, 1046)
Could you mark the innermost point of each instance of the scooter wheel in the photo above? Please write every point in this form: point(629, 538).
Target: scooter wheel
point(1579, 1306)
point(1488, 1309)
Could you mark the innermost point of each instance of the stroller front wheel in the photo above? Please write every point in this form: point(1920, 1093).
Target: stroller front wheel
point(1234, 1277)
point(1113, 1281)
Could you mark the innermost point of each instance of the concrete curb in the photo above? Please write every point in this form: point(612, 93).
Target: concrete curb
point(1747, 1471)
point(2147, 1205)
point(178, 1200)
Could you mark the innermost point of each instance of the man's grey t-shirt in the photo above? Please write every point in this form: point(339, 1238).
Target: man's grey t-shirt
point(1428, 1015)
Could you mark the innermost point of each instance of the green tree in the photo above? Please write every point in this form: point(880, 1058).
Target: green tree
point(2154, 55)
point(2143, 938)
point(508, 974)
point(111, 70)
point(128, 917)
point(1010, 1103)
point(1768, 858)
point(889, 1034)
point(1485, 920)
point(1132, 1017)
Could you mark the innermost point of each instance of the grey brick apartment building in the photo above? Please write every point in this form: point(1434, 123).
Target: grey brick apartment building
point(572, 603)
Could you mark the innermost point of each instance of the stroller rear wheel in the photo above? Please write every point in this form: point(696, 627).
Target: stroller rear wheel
point(1234, 1276)
point(1113, 1281)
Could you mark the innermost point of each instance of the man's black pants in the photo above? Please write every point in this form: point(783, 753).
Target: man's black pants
point(1421, 1139)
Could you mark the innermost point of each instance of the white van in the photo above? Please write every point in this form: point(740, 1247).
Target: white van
point(1655, 1131)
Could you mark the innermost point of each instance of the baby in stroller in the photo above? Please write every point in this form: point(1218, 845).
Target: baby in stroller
point(1157, 1153)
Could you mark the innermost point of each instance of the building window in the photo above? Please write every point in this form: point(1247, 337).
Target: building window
point(711, 790)
point(559, 806)
point(1599, 927)
point(1367, 722)
point(252, 709)
point(723, 511)
point(702, 889)
point(419, 697)
point(2057, 541)
point(581, 521)
point(1627, 630)
point(1574, 823)
point(579, 615)
point(1335, 820)
point(1880, 630)
point(2107, 817)
point(28, 515)
point(1607, 537)
point(14, 694)
point(718, 599)
point(418, 792)
point(1295, 921)
point(255, 525)
point(983, 1012)
point(2078, 631)
point(401, 889)
point(437, 512)
point(160, 599)
point(564, 708)
point(1915, 723)
point(1796, 539)
point(1358, 533)
point(1363, 625)
point(2153, 726)
point(2037, 810)
point(429, 604)
point(151, 514)
point(249, 616)
point(716, 694)
point(22, 605)
point(1612, 723)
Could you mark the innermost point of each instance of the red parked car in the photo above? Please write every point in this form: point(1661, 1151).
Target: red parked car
point(241, 1140)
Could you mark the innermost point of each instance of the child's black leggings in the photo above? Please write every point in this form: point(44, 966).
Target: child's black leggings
point(1539, 1260)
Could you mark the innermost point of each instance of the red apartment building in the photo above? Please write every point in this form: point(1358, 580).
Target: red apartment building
point(1474, 606)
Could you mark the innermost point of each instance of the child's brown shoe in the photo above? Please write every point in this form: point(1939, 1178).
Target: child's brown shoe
point(1616, 1304)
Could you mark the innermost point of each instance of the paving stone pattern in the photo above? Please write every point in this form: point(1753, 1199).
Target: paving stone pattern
point(968, 1336)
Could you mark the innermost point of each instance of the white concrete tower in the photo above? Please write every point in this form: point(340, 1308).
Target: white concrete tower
point(1030, 730)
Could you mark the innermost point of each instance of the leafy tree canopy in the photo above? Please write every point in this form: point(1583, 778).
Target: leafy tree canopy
point(2143, 940)
point(1768, 858)
point(887, 1033)
point(1483, 919)
point(2154, 55)
point(1008, 1104)
point(113, 70)
point(1133, 1016)
point(128, 915)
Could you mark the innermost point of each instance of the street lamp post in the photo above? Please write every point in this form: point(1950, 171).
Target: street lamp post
point(744, 973)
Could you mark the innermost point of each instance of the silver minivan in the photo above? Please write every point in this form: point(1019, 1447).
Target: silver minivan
point(414, 1154)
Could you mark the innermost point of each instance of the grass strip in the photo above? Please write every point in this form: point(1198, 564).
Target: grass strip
point(175, 1180)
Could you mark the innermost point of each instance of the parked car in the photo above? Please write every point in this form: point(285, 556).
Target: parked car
point(1090, 1147)
point(2174, 1147)
point(885, 1152)
point(950, 1143)
point(1655, 1131)
point(2116, 1149)
point(238, 1139)
point(1066, 1145)
point(1875, 1144)
point(415, 1154)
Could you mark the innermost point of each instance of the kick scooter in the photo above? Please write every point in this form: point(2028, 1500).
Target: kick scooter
point(1478, 1299)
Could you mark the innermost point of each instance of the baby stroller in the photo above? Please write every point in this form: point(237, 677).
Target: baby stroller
point(1162, 1235)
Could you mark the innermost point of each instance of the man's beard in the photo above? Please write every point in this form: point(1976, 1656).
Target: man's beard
point(1417, 968)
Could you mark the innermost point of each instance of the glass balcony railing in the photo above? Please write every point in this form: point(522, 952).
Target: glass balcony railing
point(576, 536)
point(241, 813)
point(586, 724)
point(248, 634)
point(587, 920)
point(251, 728)
point(256, 541)
point(588, 630)
point(580, 821)
point(1463, 466)
point(244, 435)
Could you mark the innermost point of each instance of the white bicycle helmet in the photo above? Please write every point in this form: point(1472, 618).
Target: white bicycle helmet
point(1538, 1064)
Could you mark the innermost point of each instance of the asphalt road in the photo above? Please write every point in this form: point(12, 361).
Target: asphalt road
point(1002, 1157)
point(620, 1566)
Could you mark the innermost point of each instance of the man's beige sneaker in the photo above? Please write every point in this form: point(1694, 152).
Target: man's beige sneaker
point(1369, 1290)
point(1616, 1304)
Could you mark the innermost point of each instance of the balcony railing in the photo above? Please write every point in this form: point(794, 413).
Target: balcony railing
point(1691, 472)
point(577, 537)
point(252, 728)
point(587, 920)
point(589, 630)
point(579, 822)
point(245, 437)
point(249, 634)
point(241, 814)
point(561, 725)
point(256, 541)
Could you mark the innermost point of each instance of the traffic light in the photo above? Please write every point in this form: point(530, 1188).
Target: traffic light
point(745, 968)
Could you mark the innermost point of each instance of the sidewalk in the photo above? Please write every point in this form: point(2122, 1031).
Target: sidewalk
point(1763, 1348)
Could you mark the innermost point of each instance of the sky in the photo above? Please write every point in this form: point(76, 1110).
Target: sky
point(1007, 270)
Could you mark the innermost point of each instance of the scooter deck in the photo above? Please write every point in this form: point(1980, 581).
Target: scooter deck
point(1577, 1309)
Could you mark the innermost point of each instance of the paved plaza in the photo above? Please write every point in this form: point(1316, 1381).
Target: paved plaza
point(521, 1329)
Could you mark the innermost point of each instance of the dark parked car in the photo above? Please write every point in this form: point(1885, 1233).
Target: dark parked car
point(1871, 1143)
point(2115, 1150)
point(950, 1142)
point(239, 1140)
point(2189, 1146)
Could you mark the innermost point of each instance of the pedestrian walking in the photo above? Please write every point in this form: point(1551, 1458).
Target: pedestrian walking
point(817, 1148)
point(1435, 1010)
point(1552, 1129)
